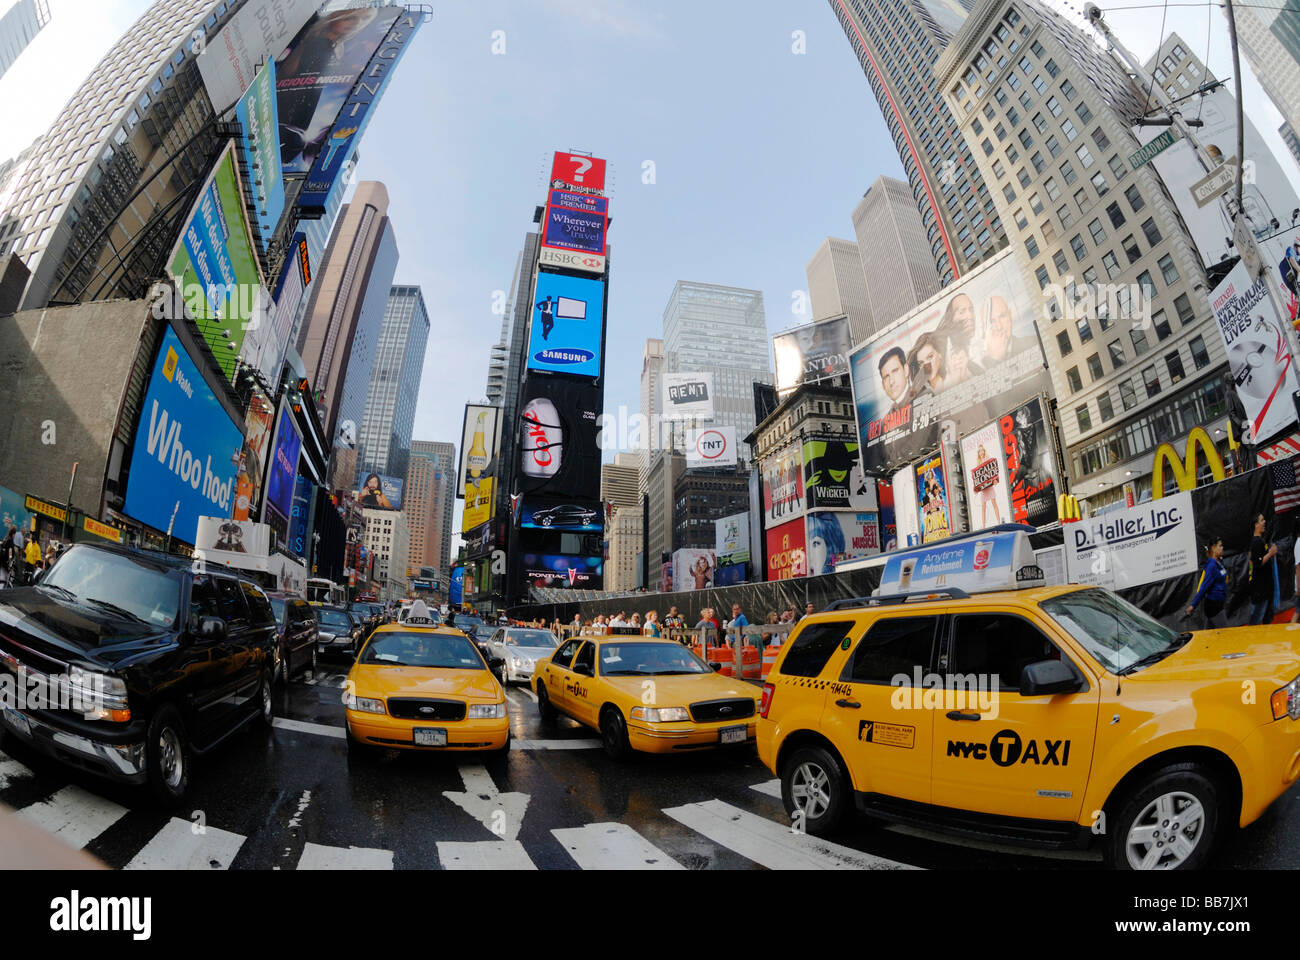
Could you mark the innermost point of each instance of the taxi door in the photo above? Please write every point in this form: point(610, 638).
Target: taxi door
point(555, 672)
point(874, 711)
point(580, 698)
point(996, 751)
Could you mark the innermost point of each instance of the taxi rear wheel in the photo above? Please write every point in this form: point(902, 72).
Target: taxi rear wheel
point(814, 790)
point(613, 734)
point(1169, 822)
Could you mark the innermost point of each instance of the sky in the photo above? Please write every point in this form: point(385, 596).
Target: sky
point(731, 155)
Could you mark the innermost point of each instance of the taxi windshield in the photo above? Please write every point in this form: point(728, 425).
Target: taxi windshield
point(423, 649)
point(648, 660)
point(1116, 633)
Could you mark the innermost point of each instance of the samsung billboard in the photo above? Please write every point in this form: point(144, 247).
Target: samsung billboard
point(568, 325)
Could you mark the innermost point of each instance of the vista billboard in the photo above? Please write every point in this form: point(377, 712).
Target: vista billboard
point(932, 498)
point(565, 515)
point(478, 444)
point(731, 536)
point(693, 569)
point(575, 223)
point(281, 471)
point(1031, 464)
point(688, 396)
point(560, 570)
point(783, 496)
point(568, 325)
point(380, 492)
point(559, 425)
point(711, 447)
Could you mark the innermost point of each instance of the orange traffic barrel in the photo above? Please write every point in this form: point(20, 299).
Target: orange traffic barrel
point(770, 653)
point(749, 662)
point(725, 656)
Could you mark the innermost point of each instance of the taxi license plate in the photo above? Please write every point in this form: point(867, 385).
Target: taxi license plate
point(733, 734)
point(430, 737)
point(17, 721)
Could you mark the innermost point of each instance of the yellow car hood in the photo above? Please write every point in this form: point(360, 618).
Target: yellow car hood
point(374, 680)
point(682, 690)
point(1234, 653)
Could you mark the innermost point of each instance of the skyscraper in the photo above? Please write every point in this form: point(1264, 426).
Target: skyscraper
point(837, 285)
point(1288, 135)
point(618, 480)
point(384, 437)
point(506, 368)
point(428, 500)
point(895, 254)
point(897, 44)
point(18, 27)
point(1269, 35)
point(348, 300)
point(652, 368)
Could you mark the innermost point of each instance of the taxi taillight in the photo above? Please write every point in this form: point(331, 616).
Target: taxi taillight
point(766, 703)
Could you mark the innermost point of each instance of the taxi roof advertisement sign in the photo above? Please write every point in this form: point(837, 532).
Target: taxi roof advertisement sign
point(999, 560)
point(955, 363)
point(1153, 541)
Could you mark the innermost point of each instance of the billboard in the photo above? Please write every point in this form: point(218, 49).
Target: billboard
point(961, 359)
point(380, 492)
point(1135, 545)
point(726, 576)
point(559, 454)
point(317, 72)
point(576, 223)
point(888, 525)
point(259, 423)
point(988, 497)
point(833, 477)
point(1258, 354)
point(693, 568)
point(478, 444)
point(302, 494)
point(688, 396)
point(480, 499)
point(561, 570)
point(265, 346)
point(568, 325)
point(185, 448)
point(906, 511)
point(711, 447)
point(259, 141)
point(783, 486)
point(231, 541)
point(257, 33)
point(815, 351)
point(562, 515)
point(731, 539)
point(454, 584)
point(335, 148)
point(1031, 464)
point(786, 554)
point(281, 470)
point(577, 172)
point(834, 536)
point(932, 498)
point(215, 267)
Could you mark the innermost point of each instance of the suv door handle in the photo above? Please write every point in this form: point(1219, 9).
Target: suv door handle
point(847, 703)
point(958, 715)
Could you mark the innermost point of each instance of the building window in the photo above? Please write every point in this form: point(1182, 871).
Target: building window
point(1079, 247)
point(1134, 197)
point(1111, 263)
point(1116, 215)
point(1053, 146)
point(1161, 325)
point(1167, 269)
point(1067, 173)
point(1147, 285)
point(1085, 331)
point(1053, 191)
point(999, 170)
point(988, 147)
point(1100, 139)
point(1067, 89)
point(1035, 204)
point(1039, 122)
point(1038, 162)
point(1039, 84)
point(1097, 231)
point(1151, 380)
point(1074, 380)
point(1095, 368)
point(1041, 274)
point(1184, 307)
point(1105, 407)
point(1175, 364)
point(1063, 211)
point(1013, 116)
point(1063, 343)
point(1000, 132)
point(1031, 246)
point(1151, 231)
point(1021, 220)
point(1116, 349)
point(1117, 168)
point(1128, 395)
point(1054, 106)
point(1131, 249)
point(1200, 356)
point(1062, 264)
point(1099, 183)
point(1081, 200)
point(1139, 338)
point(1085, 421)
point(1009, 193)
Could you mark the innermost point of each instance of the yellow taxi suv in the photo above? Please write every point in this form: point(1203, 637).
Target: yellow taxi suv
point(418, 686)
point(1055, 717)
point(644, 694)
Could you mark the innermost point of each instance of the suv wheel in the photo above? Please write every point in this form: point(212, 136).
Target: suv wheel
point(814, 790)
point(314, 674)
point(1169, 822)
point(265, 700)
point(167, 753)
point(613, 734)
point(281, 669)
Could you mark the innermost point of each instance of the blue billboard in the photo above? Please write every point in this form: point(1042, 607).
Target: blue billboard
point(575, 221)
point(185, 450)
point(283, 467)
point(455, 585)
point(259, 140)
point(302, 492)
point(568, 322)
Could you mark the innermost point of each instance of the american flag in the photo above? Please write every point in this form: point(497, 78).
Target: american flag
point(1286, 490)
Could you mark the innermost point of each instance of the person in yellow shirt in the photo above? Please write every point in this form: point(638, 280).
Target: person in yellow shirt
point(33, 557)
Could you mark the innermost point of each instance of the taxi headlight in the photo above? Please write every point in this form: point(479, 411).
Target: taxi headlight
point(486, 711)
point(362, 704)
point(1286, 701)
point(660, 714)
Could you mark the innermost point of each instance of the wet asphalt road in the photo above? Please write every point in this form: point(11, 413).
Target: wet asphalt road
point(291, 798)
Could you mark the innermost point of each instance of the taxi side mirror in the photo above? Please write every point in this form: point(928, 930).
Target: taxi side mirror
point(1047, 677)
point(716, 666)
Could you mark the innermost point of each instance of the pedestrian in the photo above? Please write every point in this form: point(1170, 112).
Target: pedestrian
point(770, 621)
point(33, 558)
point(1261, 575)
point(674, 620)
point(7, 558)
point(1213, 585)
point(577, 623)
point(738, 618)
point(651, 628)
point(808, 609)
point(635, 622)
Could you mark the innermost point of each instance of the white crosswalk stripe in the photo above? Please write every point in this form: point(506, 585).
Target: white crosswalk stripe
point(771, 844)
point(770, 788)
point(613, 846)
point(74, 815)
point(11, 770)
point(178, 846)
point(484, 855)
point(304, 726)
point(555, 744)
point(318, 857)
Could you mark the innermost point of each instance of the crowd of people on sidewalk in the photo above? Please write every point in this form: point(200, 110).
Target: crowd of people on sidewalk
point(673, 623)
point(22, 561)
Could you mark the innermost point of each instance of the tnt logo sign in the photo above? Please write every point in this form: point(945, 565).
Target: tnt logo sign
point(710, 445)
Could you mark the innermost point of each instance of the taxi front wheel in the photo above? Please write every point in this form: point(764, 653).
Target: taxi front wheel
point(815, 791)
point(613, 734)
point(1169, 822)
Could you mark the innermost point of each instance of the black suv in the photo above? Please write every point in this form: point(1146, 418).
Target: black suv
point(146, 662)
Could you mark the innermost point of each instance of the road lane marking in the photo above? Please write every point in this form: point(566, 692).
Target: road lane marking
point(613, 846)
point(177, 847)
point(771, 844)
point(303, 726)
point(11, 770)
point(484, 855)
point(318, 857)
point(501, 813)
point(770, 788)
point(555, 744)
point(74, 815)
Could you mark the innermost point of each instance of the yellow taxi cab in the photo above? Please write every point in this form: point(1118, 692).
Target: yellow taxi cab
point(646, 694)
point(1054, 717)
point(418, 686)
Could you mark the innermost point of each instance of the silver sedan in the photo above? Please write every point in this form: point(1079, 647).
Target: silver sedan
point(521, 648)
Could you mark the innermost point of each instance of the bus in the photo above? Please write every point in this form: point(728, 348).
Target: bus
point(321, 590)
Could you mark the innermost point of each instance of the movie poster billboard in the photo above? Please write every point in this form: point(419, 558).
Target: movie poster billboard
point(258, 32)
point(932, 498)
point(259, 142)
point(834, 536)
point(787, 555)
point(951, 365)
point(811, 353)
point(280, 472)
point(316, 73)
point(783, 497)
point(693, 569)
point(688, 396)
point(380, 492)
point(1031, 464)
point(984, 471)
point(1258, 355)
point(259, 423)
point(833, 477)
point(731, 539)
